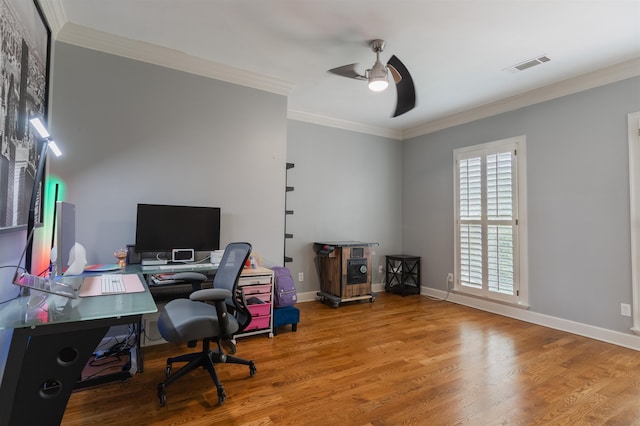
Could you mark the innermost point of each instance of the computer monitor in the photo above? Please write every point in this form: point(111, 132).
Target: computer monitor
point(164, 228)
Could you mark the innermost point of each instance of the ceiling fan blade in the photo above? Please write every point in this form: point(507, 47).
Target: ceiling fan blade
point(397, 78)
point(405, 88)
point(348, 71)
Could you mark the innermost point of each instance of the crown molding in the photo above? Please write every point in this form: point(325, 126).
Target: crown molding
point(55, 15)
point(343, 124)
point(81, 36)
point(570, 86)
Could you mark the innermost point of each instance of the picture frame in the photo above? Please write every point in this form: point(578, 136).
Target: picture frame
point(25, 46)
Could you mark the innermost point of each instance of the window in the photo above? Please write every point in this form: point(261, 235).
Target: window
point(490, 229)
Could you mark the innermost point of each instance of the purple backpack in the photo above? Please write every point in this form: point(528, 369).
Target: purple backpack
point(285, 289)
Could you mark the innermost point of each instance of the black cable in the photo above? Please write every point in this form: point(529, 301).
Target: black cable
point(124, 346)
point(13, 267)
point(19, 291)
point(13, 298)
point(115, 358)
point(98, 373)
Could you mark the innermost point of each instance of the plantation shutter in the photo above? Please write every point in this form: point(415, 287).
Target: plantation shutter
point(471, 269)
point(487, 234)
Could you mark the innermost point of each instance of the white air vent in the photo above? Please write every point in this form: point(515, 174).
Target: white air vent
point(528, 64)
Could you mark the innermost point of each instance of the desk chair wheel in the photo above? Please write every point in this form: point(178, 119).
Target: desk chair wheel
point(252, 369)
point(222, 395)
point(162, 396)
point(167, 371)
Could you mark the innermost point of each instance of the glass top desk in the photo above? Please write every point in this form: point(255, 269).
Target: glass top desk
point(52, 339)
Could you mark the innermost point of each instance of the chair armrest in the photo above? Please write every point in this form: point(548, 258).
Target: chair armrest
point(189, 276)
point(210, 294)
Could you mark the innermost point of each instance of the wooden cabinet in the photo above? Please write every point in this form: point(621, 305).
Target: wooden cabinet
point(256, 286)
point(345, 271)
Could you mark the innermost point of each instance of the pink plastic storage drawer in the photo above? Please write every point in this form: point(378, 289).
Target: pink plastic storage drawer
point(260, 310)
point(253, 289)
point(258, 322)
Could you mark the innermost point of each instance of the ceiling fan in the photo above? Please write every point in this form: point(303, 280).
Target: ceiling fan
point(377, 76)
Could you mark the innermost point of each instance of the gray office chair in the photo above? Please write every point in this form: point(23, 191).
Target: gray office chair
point(187, 320)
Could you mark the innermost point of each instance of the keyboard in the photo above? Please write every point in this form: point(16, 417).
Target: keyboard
point(112, 284)
point(186, 266)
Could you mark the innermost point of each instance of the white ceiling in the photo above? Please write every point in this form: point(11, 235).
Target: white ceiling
point(457, 51)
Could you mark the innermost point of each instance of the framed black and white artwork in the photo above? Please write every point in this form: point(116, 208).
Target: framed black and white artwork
point(25, 40)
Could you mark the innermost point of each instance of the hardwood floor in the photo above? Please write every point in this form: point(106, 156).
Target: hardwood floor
point(411, 361)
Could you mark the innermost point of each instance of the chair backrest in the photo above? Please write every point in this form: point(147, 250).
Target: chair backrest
point(227, 276)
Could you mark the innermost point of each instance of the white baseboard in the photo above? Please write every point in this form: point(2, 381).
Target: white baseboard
point(630, 341)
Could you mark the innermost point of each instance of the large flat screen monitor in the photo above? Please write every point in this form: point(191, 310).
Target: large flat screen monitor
point(163, 228)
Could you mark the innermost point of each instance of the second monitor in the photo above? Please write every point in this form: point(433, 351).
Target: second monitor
point(179, 230)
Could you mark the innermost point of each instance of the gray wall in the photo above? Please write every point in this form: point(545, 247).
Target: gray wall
point(135, 132)
point(578, 200)
point(348, 186)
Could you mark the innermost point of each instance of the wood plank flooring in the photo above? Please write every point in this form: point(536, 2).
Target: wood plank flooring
point(409, 361)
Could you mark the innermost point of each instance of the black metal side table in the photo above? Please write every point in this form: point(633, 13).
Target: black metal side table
point(403, 274)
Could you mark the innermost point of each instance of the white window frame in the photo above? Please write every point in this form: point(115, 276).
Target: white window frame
point(634, 201)
point(520, 295)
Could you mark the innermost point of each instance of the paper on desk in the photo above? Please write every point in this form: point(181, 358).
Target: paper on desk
point(92, 286)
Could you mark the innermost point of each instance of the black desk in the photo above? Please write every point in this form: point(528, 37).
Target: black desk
point(51, 344)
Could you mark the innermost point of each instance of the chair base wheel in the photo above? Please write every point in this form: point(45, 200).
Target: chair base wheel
point(162, 396)
point(222, 395)
point(252, 369)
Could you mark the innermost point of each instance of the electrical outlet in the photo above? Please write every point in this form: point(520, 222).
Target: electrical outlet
point(625, 309)
point(300, 276)
point(380, 269)
point(450, 277)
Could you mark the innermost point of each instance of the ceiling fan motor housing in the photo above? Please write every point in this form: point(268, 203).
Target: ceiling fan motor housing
point(377, 75)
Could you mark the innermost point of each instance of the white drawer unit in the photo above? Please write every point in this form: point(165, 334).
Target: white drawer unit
point(256, 285)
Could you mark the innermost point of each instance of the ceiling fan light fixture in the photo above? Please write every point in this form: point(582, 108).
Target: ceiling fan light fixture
point(377, 75)
point(377, 78)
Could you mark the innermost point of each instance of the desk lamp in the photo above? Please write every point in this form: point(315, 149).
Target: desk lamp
point(48, 142)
